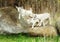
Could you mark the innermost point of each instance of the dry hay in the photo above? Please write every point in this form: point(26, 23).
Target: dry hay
point(57, 24)
point(43, 31)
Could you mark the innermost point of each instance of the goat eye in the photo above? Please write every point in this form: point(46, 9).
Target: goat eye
point(36, 22)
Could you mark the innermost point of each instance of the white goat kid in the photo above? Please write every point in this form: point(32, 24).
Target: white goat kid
point(24, 12)
point(33, 21)
point(42, 18)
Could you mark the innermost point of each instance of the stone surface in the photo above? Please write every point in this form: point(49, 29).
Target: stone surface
point(8, 21)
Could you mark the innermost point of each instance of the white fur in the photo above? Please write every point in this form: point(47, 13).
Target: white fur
point(24, 12)
point(33, 21)
point(42, 17)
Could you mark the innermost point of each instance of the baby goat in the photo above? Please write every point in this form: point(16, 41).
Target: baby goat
point(43, 17)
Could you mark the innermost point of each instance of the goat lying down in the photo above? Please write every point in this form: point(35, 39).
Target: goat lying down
point(24, 12)
point(42, 18)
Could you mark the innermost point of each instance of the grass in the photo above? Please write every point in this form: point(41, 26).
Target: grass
point(27, 38)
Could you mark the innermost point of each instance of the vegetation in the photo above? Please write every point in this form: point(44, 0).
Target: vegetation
point(27, 38)
point(38, 6)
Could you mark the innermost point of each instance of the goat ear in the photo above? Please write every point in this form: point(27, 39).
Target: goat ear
point(30, 8)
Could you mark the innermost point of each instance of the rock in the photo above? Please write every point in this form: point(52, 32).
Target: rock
point(43, 31)
point(8, 21)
